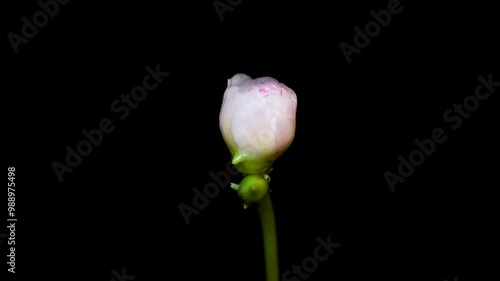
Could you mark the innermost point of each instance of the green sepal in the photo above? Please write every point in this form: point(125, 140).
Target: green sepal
point(249, 165)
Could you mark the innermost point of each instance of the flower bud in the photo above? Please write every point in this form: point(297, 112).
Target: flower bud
point(257, 122)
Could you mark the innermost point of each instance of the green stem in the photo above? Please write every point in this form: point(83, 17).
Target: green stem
point(266, 214)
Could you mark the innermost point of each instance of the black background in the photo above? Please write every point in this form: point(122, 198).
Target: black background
point(119, 207)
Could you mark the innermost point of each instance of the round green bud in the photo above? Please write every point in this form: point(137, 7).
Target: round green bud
point(253, 188)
